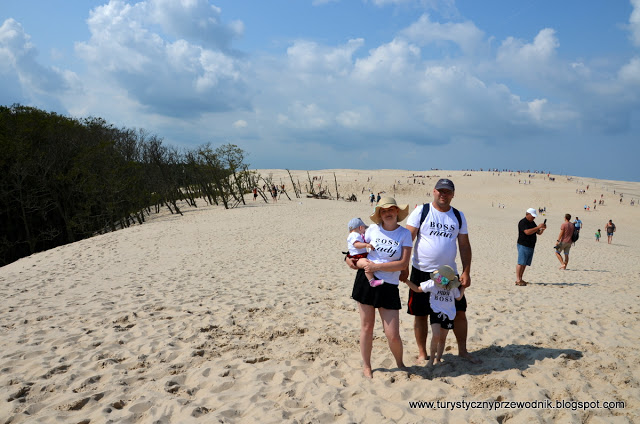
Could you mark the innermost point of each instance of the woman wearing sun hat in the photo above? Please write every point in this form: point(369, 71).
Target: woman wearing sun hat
point(391, 254)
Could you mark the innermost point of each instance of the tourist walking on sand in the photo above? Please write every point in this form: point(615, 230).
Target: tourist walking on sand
point(438, 233)
point(577, 224)
point(392, 253)
point(527, 233)
point(610, 228)
point(564, 241)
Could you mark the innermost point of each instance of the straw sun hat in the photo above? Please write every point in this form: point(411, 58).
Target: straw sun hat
point(387, 202)
point(445, 274)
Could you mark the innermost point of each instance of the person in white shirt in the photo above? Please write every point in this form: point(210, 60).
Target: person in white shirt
point(443, 287)
point(437, 239)
point(391, 255)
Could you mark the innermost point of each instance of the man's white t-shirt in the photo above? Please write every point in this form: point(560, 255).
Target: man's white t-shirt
point(442, 300)
point(436, 244)
point(353, 237)
point(388, 247)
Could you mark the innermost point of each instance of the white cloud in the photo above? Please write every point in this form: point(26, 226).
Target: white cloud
point(240, 123)
point(307, 116)
point(456, 101)
point(350, 118)
point(388, 62)
point(465, 34)
point(310, 57)
point(630, 73)
point(179, 78)
point(194, 20)
point(426, 4)
point(516, 54)
point(634, 23)
point(19, 64)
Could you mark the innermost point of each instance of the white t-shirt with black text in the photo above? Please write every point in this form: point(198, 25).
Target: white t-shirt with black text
point(442, 300)
point(437, 241)
point(388, 247)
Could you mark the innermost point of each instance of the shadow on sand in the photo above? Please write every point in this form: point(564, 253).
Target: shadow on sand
point(560, 284)
point(495, 358)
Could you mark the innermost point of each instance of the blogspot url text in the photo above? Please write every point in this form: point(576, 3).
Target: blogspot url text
point(495, 405)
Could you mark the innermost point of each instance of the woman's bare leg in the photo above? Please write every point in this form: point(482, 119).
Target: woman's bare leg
point(391, 325)
point(367, 322)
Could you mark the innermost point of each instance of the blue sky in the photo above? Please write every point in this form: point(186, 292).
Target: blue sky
point(310, 84)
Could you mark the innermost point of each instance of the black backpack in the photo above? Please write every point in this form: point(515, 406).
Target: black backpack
point(425, 212)
point(575, 235)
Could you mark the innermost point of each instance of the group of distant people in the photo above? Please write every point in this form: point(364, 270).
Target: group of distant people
point(528, 231)
point(273, 190)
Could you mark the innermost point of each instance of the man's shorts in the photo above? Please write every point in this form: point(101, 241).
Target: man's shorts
point(442, 319)
point(525, 254)
point(419, 303)
point(564, 247)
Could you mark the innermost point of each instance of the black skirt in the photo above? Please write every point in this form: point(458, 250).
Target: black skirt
point(384, 296)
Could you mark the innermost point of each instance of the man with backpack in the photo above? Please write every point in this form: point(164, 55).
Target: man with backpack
point(438, 230)
point(565, 238)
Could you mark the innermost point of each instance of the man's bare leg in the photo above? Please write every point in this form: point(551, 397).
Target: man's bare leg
point(421, 331)
point(460, 326)
point(562, 264)
point(519, 272)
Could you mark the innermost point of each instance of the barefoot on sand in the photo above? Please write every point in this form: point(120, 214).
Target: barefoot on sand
point(367, 372)
point(469, 357)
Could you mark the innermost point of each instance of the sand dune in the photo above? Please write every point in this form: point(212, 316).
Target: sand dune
point(244, 315)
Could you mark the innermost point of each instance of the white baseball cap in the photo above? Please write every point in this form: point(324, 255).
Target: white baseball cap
point(533, 212)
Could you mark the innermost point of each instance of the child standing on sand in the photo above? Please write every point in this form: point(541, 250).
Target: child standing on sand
point(359, 248)
point(598, 235)
point(443, 287)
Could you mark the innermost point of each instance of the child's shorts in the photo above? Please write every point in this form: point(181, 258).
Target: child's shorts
point(442, 319)
point(358, 256)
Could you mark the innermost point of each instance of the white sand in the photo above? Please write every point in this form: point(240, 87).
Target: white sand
point(245, 315)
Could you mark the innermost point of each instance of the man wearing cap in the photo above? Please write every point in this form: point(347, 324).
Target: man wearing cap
point(527, 233)
point(577, 224)
point(438, 235)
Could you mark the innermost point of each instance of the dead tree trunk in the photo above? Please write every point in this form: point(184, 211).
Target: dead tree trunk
point(311, 189)
point(295, 190)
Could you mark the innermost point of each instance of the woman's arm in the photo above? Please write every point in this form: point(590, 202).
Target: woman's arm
point(392, 266)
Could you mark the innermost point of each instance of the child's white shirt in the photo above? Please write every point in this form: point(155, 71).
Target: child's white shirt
point(441, 299)
point(352, 238)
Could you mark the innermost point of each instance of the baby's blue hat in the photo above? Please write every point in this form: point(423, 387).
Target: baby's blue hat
point(355, 223)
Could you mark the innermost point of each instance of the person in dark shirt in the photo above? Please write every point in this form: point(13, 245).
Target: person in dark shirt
point(527, 233)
